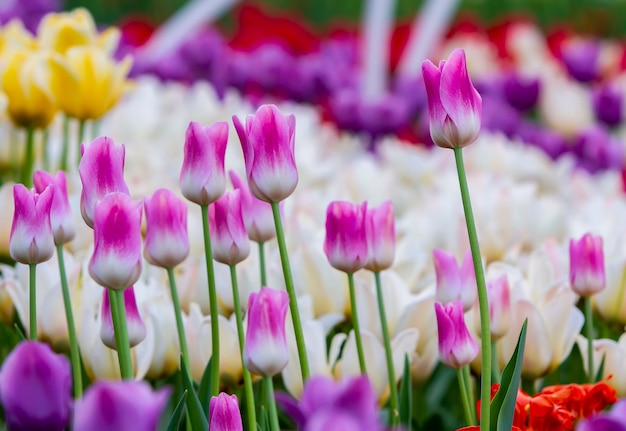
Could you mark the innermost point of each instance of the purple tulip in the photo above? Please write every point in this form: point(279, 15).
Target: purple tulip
point(457, 348)
point(167, 240)
point(346, 244)
point(31, 240)
point(61, 218)
point(120, 406)
point(134, 323)
point(29, 12)
point(268, 141)
point(224, 413)
point(257, 214)
point(582, 59)
point(265, 350)
point(202, 177)
point(500, 116)
point(454, 105)
point(614, 420)
point(36, 388)
point(587, 272)
point(608, 103)
point(381, 236)
point(455, 282)
point(229, 236)
point(101, 172)
point(520, 91)
point(598, 150)
point(116, 259)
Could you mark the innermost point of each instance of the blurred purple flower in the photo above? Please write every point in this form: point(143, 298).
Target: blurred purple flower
point(614, 420)
point(597, 150)
point(608, 104)
point(581, 59)
point(521, 92)
point(29, 12)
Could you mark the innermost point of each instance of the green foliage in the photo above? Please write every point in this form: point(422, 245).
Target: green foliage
point(177, 415)
point(405, 404)
point(197, 415)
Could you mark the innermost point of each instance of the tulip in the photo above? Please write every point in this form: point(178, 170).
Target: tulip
point(61, 216)
point(224, 413)
point(454, 105)
point(267, 141)
point(167, 240)
point(587, 273)
point(202, 178)
point(35, 388)
point(608, 103)
point(454, 282)
point(31, 239)
point(101, 172)
point(257, 214)
point(346, 245)
point(381, 237)
point(120, 406)
point(16, 37)
point(499, 294)
point(116, 259)
point(614, 420)
point(230, 239)
point(582, 59)
point(265, 351)
point(457, 348)
point(135, 326)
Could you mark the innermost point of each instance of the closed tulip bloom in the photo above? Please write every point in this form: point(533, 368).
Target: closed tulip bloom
point(116, 259)
point(101, 171)
point(134, 324)
point(346, 240)
point(380, 229)
point(586, 271)
point(265, 350)
point(457, 348)
point(268, 141)
point(35, 388)
point(499, 295)
point(257, 214)
point(230, 239)
point(120, 406)
point(167, 240)
point(61, 217)
point(31, 239)
point(202, 178)
point(454, 282)
point(454, 105)
point(224, 413)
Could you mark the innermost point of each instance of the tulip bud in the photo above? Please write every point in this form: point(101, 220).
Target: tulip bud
point(265, 350)
point(120, 405)
point(167, 240)
point(454, 282)
point(454, 105)
point(586, 271)
point(116, 259)
point(257, 214)
point(224, 413)
point(101, 172)
point(202, 178)
point(35, 388)
point(381, 237)
point(457, 348)
point(61, 217)
point(499, 295)
point(268, 141)
point(31, 238)
point(134, 324)
point(230, 239)
point(346, 240)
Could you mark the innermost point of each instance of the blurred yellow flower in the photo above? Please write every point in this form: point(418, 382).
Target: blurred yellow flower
point(14, 36)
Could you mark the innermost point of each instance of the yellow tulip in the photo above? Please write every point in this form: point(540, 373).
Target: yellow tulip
point(88, 82)
point(15, 37)
point(61, 31)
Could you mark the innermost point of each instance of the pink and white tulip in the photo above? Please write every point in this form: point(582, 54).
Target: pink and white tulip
point(454, 282)
point(499, 295)
point(457, 348)
point(586, 272)
point(61, 217)
point(224, 413)
point(268, 141)
point(257, 214)
point(230, 239)
point(202, 177)
point(134, 323)
point(31, 240)
point(380, 229)
point(454, 105)
point(346, 244)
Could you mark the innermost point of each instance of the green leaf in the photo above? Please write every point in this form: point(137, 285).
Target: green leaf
point(204, 391)
point(19, 332)
point(503, 404)
point(194, 408)
point(405, 402)
point(177, 415)
point(600, 369)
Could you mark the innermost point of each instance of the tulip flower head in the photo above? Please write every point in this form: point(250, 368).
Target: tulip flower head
point(61, 218)
point(230, 238)
point(346, 244)
point(454, 282)
point(381, 236)
point(224, 413)
point(167, 240)
point(134, 324)
point(499, 295)
point(36, 388)
point(257, 214)
point(268, 141)
point(587, 272)
point(457, 348)
point(116, 259)
point(265, 350)
point(202, 177)
point(454, 105)
point(31, 240)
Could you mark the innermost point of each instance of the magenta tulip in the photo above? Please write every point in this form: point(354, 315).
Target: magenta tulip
point(457, 348)
point(31, 240)
point(230, 239)
point(586, 271)
point(134, 323)
point(346, 239)
point(380, 229)
point(61, 217)
point(454, 282)
point(257, 214)
point(224, 413)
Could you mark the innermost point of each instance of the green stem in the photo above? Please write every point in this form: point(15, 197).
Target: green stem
point(589, 334)
point(71, 328)
point(467, 379)
point(247, 379)
point(45, 137)
point(391, 373)
point(81, 136)
point(65, 149)
point(271, 403)
point(467, 407)
point(215, 329)
point(483, 305)
point(495, 367)
point(32, 302)
point(118, 315)
point(355, 325)
point(293, 300)
point(29, 158)
point(95, 128)
point(182, 339)
point(262, 264)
